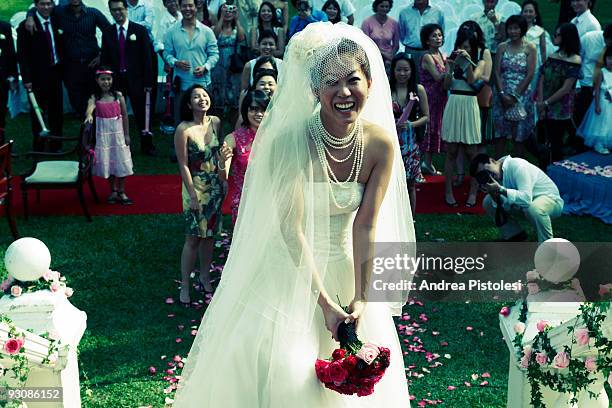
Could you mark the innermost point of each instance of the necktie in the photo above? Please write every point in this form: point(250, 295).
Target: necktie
point(50, 42)
point(122, 65)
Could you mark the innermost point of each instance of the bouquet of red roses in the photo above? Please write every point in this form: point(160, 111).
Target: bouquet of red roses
point(355, 367)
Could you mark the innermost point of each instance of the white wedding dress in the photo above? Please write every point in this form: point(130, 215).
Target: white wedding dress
point(249, 371)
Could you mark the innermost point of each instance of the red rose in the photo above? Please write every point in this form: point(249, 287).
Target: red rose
point(349, 362)
point(364, 391)
point(338, 354)
point(12, 346)
point(337, 374)
point(321, 370)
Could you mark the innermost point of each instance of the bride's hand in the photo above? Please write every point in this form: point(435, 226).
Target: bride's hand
point(334, 315)
point(356, 307)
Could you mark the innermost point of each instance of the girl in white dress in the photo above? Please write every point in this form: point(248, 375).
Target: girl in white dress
point(324, 182)
point(596, 128)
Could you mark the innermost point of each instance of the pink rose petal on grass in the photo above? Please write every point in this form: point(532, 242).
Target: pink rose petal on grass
point(482, 384)
point(194, 332)
point(171, 315)
point(451, 388)
point(474, 377)
point(485, 375)
point(178, 340)
point(169, 301)
point(152, 370)
point(180, 327)
point(467, 384)
point(505, 311)
point(469, 328)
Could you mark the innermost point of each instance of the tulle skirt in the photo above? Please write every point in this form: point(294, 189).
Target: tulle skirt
point(244, 361)
point(597, 129)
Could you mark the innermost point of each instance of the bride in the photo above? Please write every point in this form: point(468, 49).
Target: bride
point(324, 183)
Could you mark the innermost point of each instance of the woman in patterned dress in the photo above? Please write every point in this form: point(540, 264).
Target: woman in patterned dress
point(515, 63)
point(197, 151)
point(431, 75)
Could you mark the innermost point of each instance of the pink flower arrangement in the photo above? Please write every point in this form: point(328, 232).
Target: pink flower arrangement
point(590, 364)
point(368, 353)
point(6, 284)
point(48, 275)
point(524, 362)
point(54, 287)
point(582, 336)
point(605, 289)
point(533, 275)
point(505, 311)
point(542, 325)
point(532, 288)
point(69, 292)
point(541, 358)
point(16, 291)
point(527, 351)
point(561, 360)
point(13, 345)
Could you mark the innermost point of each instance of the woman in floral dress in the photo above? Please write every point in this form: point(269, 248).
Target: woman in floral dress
point(197, 150)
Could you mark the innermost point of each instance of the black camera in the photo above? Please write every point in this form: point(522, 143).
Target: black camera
point(484, 177)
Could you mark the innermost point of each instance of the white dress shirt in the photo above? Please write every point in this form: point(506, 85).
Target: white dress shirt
point(586, 22)
point(411, 21)
point(143, 14)
point(524, 182)
point(592, 44)
point(42, 23)
point(166, 21)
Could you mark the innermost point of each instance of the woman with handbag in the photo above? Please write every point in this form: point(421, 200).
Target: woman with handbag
point(515, 63)
point(225, 84)
point(556, 87)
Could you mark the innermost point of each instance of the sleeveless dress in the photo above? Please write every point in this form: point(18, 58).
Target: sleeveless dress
point(436, 97)
point(225, 85)
point(113, 157)
point(232, 378)
point(202, 161)
point(513, 71)
point(597, 129)
point(461, 120)
point(244, 138)
point(411, 155)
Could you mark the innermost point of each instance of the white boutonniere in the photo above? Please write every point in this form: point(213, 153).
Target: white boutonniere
point(2, 37)
point(60, 31)
point(133, 37)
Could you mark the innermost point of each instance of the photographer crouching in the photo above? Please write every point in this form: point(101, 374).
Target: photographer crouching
point(514, 185)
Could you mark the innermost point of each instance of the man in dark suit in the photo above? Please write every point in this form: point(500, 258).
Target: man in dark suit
point(126, 49)
point(8, 71)
point(40, 60)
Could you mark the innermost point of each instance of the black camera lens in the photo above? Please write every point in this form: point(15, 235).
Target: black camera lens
point(484, 177)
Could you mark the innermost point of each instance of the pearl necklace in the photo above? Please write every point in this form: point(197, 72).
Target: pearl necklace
point(318, 134)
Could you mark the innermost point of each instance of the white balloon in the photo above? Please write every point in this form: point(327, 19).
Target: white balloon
point(27, 259)
point(557, 260)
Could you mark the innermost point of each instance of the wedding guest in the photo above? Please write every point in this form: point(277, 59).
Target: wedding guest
point(514, 70)
point(8, 71)
point(126, 49)
point(196, 142)
point(412, 20)
point(556, 87)
point(404, 89)
point(113, 159)
point(191, 49)
point(265, 80)
point(267, 21)
point(267, 45)
point(246, 12)
point(536, 34)
point(461, 120)
point(282, 12)
point(166, 21)
point(492, 24)
point(522, 188)
point(592, 46)
point(305, 15)
point(81, 51)
point(431, 73)
point(596, 128)
point(203, 15)
point(332, 9)
point(225, 80)
point(40, 58)
point(240, 141)
point(383, 30)
point(347, 9)
point(584, 21)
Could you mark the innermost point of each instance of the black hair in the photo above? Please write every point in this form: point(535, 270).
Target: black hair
point(124, 2)
point(262, 73)
point(412, 82)
point(570, 40)
point(467, 34)
point(427, 30)
point(607, 31)
point(274, 22)
point(538, 17)
point(263, 60)
point(97, 90)
point(377, 3)
point(220, 10)
point(186, 111)
point(480, 158)
point(267, 34)
point(519, 21)
point(335, 4)
point(257, 97)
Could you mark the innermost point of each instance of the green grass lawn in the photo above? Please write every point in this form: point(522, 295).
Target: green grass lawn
point(124, 267)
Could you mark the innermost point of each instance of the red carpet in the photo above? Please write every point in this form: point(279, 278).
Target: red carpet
point(161, 194)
